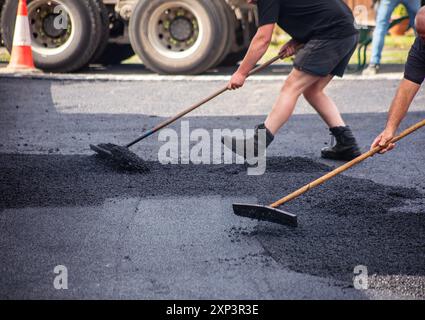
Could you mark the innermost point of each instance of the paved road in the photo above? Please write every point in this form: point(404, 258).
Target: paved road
point(171, 233)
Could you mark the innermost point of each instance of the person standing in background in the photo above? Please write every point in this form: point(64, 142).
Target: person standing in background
point(385, 10)
point(414, 76)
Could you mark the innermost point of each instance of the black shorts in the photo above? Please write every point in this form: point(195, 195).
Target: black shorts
point(326, 57)
point(415, 65)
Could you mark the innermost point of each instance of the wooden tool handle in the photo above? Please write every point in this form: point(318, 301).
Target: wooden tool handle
point(181, 114)
point(266, 64)
point(345, 167)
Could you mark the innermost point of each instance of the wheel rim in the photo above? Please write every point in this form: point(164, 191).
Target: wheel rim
point(175, 30)
point(50, 34)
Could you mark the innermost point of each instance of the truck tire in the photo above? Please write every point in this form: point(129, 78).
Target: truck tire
point(234, 58)
point(237, 55)
point(57, 50)
point(1, 8)
point(176, 36)
point(104, 31)
point(234, 47)
point(115, 53)
point(224, 44)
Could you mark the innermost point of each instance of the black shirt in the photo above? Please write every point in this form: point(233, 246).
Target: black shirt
point(415, 66)
point(304, 20)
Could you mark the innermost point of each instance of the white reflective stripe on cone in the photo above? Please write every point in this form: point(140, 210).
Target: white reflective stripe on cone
point(22, 35)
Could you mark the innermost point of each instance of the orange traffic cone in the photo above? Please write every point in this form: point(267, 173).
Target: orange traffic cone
point(21, 59)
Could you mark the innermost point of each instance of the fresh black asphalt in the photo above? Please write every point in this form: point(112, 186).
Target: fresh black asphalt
point(171, 233)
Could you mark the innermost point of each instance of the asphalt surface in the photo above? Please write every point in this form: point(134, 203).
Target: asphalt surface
point(171, 233)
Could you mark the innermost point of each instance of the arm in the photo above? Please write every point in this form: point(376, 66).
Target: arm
point(402, 101)
point(257, 49)
point(398, 110)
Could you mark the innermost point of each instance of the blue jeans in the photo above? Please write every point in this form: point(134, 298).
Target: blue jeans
point(385, 10)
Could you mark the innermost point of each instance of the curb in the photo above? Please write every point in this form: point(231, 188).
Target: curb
point(155, 77)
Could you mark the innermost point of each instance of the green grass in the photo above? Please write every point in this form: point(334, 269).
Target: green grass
point(132, 60)
point(395, 51)
point(400, 42)
point(4, 55)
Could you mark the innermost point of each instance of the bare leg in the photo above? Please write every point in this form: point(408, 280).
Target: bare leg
point(294, 86)
point(324, 105)
point(346, 147)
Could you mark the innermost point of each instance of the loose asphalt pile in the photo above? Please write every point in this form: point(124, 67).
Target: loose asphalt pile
point(344, 223)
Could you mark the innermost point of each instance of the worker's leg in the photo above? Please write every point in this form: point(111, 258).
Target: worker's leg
point(324, 105)
point(346, 147)
point(386, 8)
point(294, 86)
point(412, 7)
point(313, 64)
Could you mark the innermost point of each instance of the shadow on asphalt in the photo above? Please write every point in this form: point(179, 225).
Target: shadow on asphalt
point(129, 69)
point(344, 223)
point(140, 69)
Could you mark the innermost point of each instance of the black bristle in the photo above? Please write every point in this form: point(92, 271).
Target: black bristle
point(122, 156)
point(264, 213)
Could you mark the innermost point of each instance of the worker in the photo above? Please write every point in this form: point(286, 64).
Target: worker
point(324, 38)
point(385, 10)
point(414, 76)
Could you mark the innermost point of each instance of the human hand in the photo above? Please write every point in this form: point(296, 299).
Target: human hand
point(237, 81)
point(383, 140)
point(289, 49)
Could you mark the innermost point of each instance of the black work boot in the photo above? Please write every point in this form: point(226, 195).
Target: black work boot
point(346, 147)
point(232, 142)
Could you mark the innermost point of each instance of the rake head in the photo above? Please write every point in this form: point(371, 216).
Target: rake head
point(121, 156)
point(264, 213)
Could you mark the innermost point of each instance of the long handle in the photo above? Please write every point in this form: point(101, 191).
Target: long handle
point(345, 167)
point(202, 102)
